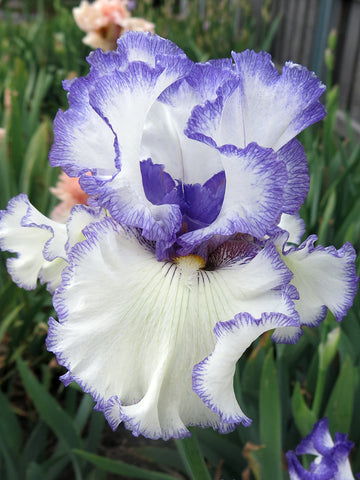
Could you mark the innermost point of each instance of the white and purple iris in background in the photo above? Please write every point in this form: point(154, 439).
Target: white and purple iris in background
point(331, 462)
point(190, 245)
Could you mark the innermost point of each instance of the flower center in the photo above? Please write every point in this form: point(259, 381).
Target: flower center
point(190, 263)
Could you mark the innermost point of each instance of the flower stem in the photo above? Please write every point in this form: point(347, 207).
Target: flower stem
point(192, 458)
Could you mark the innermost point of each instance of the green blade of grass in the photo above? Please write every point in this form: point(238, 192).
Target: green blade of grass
point(35, 445)
point(192, 458)
point(34, 157)
point(162, 456)
point(49, 410)
point(122, 468)
point(35, 472)
point(303, 416)
point(270, 420)
point(7, 321)
point(340, 406)
point(10, 462)
point(10, 427)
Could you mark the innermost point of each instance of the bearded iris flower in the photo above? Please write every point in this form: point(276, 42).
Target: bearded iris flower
point(190, 245)
point(331, 462)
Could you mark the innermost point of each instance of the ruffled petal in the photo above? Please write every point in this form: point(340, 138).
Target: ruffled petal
point(324, 278)
point(147, 48)
point(294, 225)
point(318, 441)
point(255, 181)
point(35, 239)
point(124, 98)
point(297, 187)
point(164, 141)
point(83, 141)
point(322, 471)
point(263, 107)
point(41, 244)
point(332, 457)
point(213, 377)
point(131, 328)
point(128, 205)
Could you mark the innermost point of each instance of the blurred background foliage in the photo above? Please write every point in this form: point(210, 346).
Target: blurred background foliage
point(49, 432)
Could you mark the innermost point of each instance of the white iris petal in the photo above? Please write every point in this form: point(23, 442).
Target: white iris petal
point(324, 278)
point(132, 328)
point(40, 243)
point(36, 239)
point(213, 377)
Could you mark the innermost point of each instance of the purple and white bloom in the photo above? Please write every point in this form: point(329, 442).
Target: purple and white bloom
point(332, 456)
point(190, 247)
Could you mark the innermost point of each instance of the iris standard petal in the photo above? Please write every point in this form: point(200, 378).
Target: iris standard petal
point(297, 187)
point(164, 141)
point(255, 181)
point(136, 355)
point(262, 106)
point(82, 139)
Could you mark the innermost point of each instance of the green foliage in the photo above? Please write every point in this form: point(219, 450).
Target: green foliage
point(49, 432)
point(212, 28)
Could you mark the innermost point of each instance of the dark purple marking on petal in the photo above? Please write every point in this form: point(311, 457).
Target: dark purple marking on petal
point(199, 204)
point(240, 249)
point(202, 203)
point(159, 187)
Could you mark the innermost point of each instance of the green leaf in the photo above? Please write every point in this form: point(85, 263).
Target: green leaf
point(122, 468)
point(226, 447)
point(303, 416)
point(7, 321)
point(162, 456)
point(10, 428)
point(250, 384)
point(35, 445)
point(327, 217)
point(35, 472)
point(192, 457)
point(49, 410)
point(9, 459)
point(34, 157)
point(270, 420)
point(97, 421)
point(340, 406)
point(274, 26)
point(84, 411)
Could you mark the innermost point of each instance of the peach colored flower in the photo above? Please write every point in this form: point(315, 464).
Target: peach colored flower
point(105, 21)
point(70, 193)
